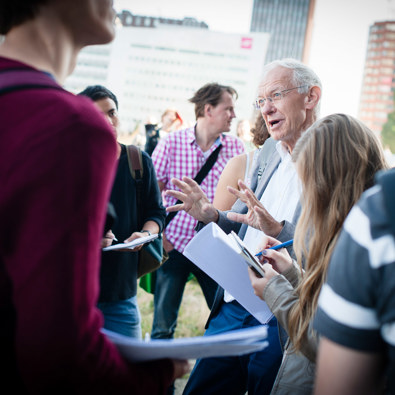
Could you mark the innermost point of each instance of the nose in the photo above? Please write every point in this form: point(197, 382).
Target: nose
point(268, 108)
point(110, 120)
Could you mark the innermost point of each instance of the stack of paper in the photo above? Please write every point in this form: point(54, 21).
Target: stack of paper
point(239, 342)
point(218, 255)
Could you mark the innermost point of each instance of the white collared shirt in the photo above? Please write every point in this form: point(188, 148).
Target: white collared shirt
point(280, 198)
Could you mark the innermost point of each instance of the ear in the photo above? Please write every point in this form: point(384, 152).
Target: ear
point(313, 97)
point(207, 110)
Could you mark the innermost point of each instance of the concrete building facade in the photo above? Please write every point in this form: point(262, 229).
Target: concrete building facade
point(378, 86)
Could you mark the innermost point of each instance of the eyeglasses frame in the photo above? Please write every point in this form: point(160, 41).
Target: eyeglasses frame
point(272, 99)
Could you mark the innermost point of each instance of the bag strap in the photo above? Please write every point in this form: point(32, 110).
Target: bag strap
point(198, 178)
point(135, 159)
point(22, 79)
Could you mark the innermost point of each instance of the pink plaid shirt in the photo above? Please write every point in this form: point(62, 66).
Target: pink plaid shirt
point(179, 155)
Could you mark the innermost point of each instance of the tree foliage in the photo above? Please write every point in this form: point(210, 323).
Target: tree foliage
point(388, 132)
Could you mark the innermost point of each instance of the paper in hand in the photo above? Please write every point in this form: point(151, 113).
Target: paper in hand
point(132, 244)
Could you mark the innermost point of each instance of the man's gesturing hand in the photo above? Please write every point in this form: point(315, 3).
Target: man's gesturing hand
point(257, 216)
point(194, 201)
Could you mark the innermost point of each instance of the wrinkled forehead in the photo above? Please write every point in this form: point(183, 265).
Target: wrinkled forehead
point(276, 79)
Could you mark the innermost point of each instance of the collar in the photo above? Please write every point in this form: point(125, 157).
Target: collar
point(192, 138)
point(282, 151)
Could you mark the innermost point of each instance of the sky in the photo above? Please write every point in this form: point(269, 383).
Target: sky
point(338, 48)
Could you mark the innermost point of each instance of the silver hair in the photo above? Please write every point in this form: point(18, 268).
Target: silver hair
point(303, 75)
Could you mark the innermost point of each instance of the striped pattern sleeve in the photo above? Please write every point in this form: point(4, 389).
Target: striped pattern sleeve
point(357, 303)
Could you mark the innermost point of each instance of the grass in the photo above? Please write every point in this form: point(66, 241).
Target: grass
point(192, 316)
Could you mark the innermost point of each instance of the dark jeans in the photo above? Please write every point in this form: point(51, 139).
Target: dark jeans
point(171, 278)
point(254, 372)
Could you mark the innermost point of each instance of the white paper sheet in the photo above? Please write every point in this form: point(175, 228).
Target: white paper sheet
point(217, 254)
point(238, 342)
point(132, 244)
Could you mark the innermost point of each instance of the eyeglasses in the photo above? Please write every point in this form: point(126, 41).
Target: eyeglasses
point(261, 101)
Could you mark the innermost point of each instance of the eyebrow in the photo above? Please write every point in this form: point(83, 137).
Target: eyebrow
point(278, 89)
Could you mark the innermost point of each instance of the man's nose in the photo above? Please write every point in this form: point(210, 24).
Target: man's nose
point(268, 107)
point(111, 120)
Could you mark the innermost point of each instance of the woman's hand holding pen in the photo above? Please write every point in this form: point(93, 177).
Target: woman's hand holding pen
point(257, 216)
point(280, 260)
point(107, 240)
point(273, 263)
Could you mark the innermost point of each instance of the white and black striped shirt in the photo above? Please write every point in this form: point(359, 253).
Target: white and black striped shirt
point(357, 303)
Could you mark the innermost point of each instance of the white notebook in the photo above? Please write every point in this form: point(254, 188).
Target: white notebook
point(131, 244)
point(220, 257)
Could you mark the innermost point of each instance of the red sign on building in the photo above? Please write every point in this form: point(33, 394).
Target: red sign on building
point(246, 42)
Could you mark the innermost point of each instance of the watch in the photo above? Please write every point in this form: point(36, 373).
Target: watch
point(145, 230)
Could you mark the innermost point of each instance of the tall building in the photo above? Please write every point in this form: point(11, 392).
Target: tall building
point(151, 69)
point(289, 23)
point(377, 96)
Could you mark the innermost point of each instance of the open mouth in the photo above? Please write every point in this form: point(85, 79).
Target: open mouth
point(275, 122)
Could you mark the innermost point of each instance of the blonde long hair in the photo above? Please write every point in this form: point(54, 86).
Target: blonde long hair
point(336, 159)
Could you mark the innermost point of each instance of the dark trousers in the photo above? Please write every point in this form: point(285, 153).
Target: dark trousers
point(171, 278)
point(254, 372)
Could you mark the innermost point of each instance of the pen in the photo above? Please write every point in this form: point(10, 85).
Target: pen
point(277, 247)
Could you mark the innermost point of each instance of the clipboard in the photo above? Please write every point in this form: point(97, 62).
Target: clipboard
point(249, 258)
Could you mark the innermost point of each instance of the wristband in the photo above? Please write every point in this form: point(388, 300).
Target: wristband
point(145, 230)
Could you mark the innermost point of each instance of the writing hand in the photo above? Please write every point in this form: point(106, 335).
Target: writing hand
point(107, 240)
point(279, 259)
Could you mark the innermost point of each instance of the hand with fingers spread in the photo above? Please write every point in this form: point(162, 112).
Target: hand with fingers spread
point(194, 200)
point(257, 216)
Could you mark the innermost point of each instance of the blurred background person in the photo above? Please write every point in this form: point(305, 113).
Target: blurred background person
point(244, 133)
point(170, 121)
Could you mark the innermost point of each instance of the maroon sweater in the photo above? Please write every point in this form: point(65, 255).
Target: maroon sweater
point(57, 161)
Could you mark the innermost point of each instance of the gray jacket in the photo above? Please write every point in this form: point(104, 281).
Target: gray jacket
point(267, 163)
point(296, 373)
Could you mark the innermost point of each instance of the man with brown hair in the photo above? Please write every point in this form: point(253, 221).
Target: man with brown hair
point(183, 153)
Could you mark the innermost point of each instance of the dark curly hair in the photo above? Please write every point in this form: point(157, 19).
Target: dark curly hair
point(98, 92)
point(15, 12)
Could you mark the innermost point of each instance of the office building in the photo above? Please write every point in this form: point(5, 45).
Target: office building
point(377, 96)
point(289, 23)
point(151, 69)
point(128, 19)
